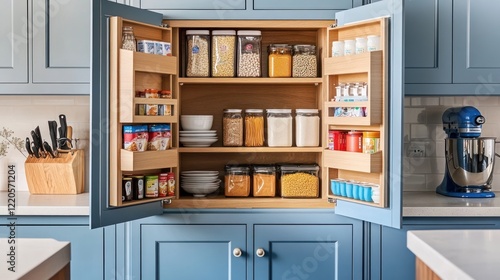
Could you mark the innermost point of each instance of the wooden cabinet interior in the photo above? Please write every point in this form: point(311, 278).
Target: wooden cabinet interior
point(368, 67)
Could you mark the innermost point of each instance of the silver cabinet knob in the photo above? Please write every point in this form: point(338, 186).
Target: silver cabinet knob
point(237, 252)
point(260, 252)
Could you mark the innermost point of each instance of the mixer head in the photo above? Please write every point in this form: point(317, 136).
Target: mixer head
point(463, 122)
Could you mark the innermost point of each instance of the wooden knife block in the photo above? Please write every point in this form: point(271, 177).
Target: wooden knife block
point(61, 175)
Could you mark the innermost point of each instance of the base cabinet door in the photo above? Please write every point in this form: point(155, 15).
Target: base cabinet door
point(187, 252)
point(303, 252)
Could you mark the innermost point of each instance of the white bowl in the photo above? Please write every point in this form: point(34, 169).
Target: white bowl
point(198, 191)
point(196, 122)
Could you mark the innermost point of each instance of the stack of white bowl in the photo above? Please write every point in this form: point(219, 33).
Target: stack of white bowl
point(200, 183)
point(196, 131)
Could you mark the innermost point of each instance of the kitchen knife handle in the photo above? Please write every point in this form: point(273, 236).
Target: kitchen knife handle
point(28, 146)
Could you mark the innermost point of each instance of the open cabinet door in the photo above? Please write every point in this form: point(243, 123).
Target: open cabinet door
point(106, 135)
point(382, 71)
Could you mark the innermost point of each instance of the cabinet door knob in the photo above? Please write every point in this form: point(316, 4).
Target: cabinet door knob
point(260, 252)
point(237, 252)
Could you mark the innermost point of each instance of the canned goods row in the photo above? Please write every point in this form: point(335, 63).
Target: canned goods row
point(136, 187)
point(357, 91)
point(367, 142)
point(355, 190)
point(153, 137)
point(154, 47)
point(357, 46)
point(154, 93)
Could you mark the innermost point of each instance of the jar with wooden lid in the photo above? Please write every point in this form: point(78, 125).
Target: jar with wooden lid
point(254, 127)
point(279, 60)
point(264, 180)
point(237, 181)
point(304, 64)
point(232, 128)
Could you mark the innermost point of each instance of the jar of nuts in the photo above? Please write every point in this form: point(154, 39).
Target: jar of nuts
point(249, 56)
point(237, 181)
point(223, 53)
point(304, 61)
point(232, 128)
point(197, 49)
point(299, 180)
point(280, 60)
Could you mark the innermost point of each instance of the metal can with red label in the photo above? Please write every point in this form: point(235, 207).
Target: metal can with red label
point(162, 184)
point(171, 184)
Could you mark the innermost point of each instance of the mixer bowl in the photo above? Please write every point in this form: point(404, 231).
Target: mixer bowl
point(470, 161)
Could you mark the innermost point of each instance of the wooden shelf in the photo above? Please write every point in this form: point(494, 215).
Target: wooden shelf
point(355, 200)
point(251, 150)
point(358, 63)
point(248, 202)
point(361, 162)
point(142, 201)
point(128, 107)
point(135, 161)
point(150, 63)
point(237, 80)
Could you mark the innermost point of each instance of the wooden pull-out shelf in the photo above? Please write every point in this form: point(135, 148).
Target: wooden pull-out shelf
point(361, 162)
point(136, 161)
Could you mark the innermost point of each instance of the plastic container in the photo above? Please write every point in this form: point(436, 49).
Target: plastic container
point(304, 61)
point(249, 55)
point(349, 47)
point(299, 180)
point(264, 180)
point(279, 127)
point(307, 127)
point(337, 140)
point(198, 53)
point(279, 60)
point(354, 141)
point(237, 181)
point(373, 43)
point(337, 48)
point(361, 45)
point(128, 38)
point(223, 53)
point(232, 128)
point(371, 142)
point(254, 127)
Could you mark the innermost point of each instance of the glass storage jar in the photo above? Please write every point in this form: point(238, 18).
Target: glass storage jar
point(128, 38)
point(237, 181)
point(197, 49)
point(371, 142)
point(304, 61)
point(279, 60)
point(232, 128)
point(254, 127)
point(307, 128)
point(249, 56)
point(279, 127)
point(299, 180)
point(264, 180)
point(223, 53)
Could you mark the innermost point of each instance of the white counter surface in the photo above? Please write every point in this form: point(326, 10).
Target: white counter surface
point(431, 204)
point(458, 254)
point(34, 258)
point(50, 205)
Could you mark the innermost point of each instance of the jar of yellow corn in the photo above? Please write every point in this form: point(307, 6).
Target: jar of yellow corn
point(279, 60)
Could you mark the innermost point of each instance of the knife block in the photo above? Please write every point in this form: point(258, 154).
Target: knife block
point(61, 175)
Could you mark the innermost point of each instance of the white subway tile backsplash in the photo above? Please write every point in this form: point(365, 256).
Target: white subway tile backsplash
point(435, 114)
point(420, 165)
point(481, 101)
point(407, 101)
point(413, 182)
point(419, 131)
point(425, 101)
point(449, 101)
point(440, 149)
point(415, 115)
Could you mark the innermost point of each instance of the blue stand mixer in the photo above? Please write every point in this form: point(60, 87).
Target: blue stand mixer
point(469, 158)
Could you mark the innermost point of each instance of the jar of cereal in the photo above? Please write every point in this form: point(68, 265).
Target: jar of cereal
point(197, 49)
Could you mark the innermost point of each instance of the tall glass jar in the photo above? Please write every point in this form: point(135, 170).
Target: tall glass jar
point(254, 127)
point(279, 127)
point(197, 49)
point(232, 128)
point(307, 128)
point(128, 38)
point(279, 60)
point(249, 57)
point(304, 61)
point(223, 53)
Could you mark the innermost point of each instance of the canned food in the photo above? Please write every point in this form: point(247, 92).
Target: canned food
point(171, 184)
point(337, 140)
point(162, 185)
point(354, 141)
point(152, 186)
point(371, 142)
point(126, 189)
point(138, 187)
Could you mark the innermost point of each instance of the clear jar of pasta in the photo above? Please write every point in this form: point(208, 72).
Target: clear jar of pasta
point(254, 127)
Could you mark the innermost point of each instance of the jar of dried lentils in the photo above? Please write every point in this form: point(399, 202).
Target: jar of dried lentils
point(232, 128)
point(304, 61)
point(279, 60)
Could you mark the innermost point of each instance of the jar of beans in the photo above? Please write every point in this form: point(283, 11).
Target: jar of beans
point(232, 128)
point(304, 61)
point(197, 49)
point(249, 57)
point(279, 60)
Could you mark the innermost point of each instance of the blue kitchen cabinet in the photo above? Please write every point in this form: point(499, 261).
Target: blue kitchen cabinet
point(87, 246)
point(46, 48)
point(392, 260)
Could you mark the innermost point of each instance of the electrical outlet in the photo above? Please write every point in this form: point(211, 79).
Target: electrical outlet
point(416, 150)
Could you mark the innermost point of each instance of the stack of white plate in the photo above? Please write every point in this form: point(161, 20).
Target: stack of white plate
point(198, 138)
point(200, 183)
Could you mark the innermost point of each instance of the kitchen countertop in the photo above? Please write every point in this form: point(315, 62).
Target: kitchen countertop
point(458, 254)
point(46, 205)
point(34, 258)
point(431, 204)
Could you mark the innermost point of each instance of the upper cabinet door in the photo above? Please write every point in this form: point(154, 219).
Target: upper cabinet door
point(14, 45)
point(475, 42)
point(384, 112)
point(61, 41)
point(103, 172)
point(428, 30)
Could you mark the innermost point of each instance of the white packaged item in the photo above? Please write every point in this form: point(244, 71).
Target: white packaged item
point(360, 45)
point(167, 48)
point(279, 127)
point(373, 43)
point(146, 46)
point(158, 47)
point(307, 128)
point(349, 47)
point(337, 48)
